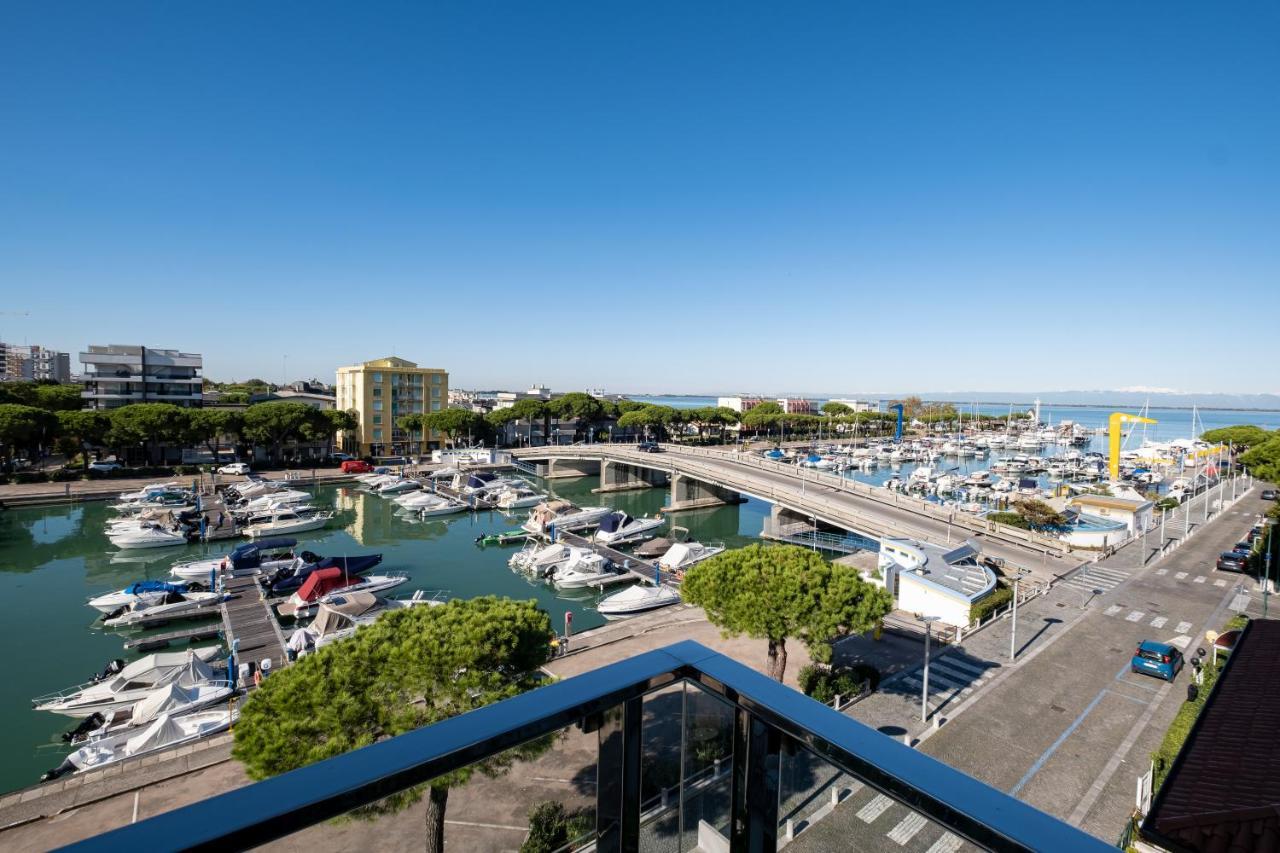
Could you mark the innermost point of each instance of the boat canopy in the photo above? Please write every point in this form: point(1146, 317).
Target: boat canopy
point(614, 521)
point(480, 480)
point(249, 555)
point(323, 581)
point(154, 586)
point(546, 513)
point(168, 698)
point(339, 613)
point(775, 454)
point(162, 731)
point(676, 555)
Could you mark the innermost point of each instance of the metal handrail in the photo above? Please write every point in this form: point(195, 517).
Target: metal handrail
point(265, 811)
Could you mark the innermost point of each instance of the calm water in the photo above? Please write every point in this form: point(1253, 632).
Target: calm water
point(1173, 423)
point(53, 558)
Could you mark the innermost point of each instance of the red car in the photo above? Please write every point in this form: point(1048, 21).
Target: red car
point(356, 466)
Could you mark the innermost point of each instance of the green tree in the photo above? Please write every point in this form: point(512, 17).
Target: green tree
point(1241, 436)
point(149, 425)
point(275, 423)
point(59, 398)
point(552, 827)
point(456, 424)
point(82, 429)
point(208, 426)
point(581, 407)
point(836, 409)
point(774, 592)
point(625, 406)
point(411, 668)
point(24, 428)
point(1263, 459)
point(1040, 515)
point(325, 424)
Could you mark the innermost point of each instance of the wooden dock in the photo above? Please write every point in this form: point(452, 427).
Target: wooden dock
point(249, 625)
point(642, 569)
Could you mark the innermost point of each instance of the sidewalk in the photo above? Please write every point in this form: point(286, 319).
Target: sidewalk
point(19, 494)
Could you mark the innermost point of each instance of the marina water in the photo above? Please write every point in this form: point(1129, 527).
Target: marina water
point(53, 558)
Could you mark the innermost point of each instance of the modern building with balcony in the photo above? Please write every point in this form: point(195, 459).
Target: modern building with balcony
point(116, 375)
point(27, 363)
point(381, 392)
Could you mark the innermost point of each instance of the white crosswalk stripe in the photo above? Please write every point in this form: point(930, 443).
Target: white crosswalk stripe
point(1181, 642)
point(1162, 571)
point(1183, 627)
point(907, 828)
point(1220, 582)
point(1200, 579)
point(972, 669)
point(1159, 621)
point(1180, 576)
point(1112, 610)
point(1096, 577)
point(1134, 616)
point(875, 808)
point(948, 843)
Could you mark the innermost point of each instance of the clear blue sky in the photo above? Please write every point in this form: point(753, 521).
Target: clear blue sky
point(653, 196)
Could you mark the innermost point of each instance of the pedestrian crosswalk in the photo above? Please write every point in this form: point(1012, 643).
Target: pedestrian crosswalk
point(1102, 578)
point(950, 675)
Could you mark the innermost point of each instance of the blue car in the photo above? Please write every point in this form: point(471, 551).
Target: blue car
point(1159, 659)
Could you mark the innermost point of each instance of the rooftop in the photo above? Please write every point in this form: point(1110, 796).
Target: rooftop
point(1131, 504)
point(1223, 791)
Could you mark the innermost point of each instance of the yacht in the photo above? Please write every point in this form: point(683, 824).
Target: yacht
point(131, 684)
point(168, 731)
point(638, 599)
point(685, 554)
point(441, 506)
point(285, 521)
point(324, 585)
point(284, 581)
point(174, 500)
point(273, 500)
point(979, 480)
point(150, 535)
point(398, 486)
point(343, 614)
point(173, 698)
point(562, 515)
point(146, 592)
point(517, 497)
point(250, 558)
point(541, 559)
point(618, 527)
point(589, 569)
point(175, 604)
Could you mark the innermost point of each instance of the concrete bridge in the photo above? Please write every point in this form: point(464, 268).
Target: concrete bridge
point(703, 477)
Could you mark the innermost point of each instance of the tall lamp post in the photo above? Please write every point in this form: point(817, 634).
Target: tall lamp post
point(1013, 635)
point(924, 690)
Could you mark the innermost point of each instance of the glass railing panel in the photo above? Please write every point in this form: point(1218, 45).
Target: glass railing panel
point(540, 795)
point(822, 808)
point(705, 797)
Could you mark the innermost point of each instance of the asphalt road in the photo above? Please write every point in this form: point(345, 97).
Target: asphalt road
point(1069, 728)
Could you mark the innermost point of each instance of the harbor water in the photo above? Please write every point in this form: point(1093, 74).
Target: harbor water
point(52, 559)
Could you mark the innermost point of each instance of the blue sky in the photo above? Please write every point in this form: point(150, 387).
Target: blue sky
point(665, 197)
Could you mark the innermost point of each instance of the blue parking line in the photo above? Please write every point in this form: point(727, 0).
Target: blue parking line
point(1075, 724)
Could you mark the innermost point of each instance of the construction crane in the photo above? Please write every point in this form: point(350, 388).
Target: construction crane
point(1117, 420)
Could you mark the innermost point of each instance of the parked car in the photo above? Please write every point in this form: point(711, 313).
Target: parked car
point(341, 457)
point(649, 447)
point(234, 468)
point(105, 467)
point(356, 466)
point(1157, 659)
point(1269, 494)
point(1245, 547)
point(1232, 561)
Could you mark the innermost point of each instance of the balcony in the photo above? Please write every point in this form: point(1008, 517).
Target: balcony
point(685, 749)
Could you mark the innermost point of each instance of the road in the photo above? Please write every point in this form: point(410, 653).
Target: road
point(1067, 728)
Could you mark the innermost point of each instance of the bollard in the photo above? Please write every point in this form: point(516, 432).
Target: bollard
point(835, 796)
point(791, 829)
point(937, 722)
point(906, 739)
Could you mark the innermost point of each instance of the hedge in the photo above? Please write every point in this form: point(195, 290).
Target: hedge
point(985, 606)
point(825, 684)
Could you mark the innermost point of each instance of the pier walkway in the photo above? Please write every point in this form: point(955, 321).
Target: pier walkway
point(644, 570)
point(836, 501)
point(249, 625)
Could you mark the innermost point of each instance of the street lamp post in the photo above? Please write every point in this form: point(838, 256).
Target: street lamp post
point(924, 690)
point(1013, 636)
point(1266, 572)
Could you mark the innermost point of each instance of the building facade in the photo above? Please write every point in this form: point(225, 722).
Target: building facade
point(116, 375)
point(858, 405)
point(382, 391)
point(26, 363)
point(739, 404)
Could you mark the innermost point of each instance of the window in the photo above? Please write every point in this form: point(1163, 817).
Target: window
point(377, 392)
point(377, 419)
point(435, 406)
point(377, 435)
point(435, 393)
point(377, 405)
point(377, 378)
point(435, 379)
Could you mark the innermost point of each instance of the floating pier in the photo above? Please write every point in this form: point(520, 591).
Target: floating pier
point(249, 625)
point(643, 569)
point(161, 641)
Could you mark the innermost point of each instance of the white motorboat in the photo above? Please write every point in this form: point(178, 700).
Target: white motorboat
point(274, 500)
point(327, 585)
point(540, 559)
point(341, 617)
point(618, 527)
point(638, 599)
point(562, 515)
point(685, 554)
point(263, 556)
point(440, 506)
point(173, 698)
point(174, 500)
point(398, 486)
point(131, 684)
point(285, 521)
point(589, 569)
point(173, 604)
point(168, 731)
point(518, 497)
point(145, 592)
point(148, 536)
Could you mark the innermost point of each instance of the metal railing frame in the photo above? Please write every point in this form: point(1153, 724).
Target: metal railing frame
point(768, 717)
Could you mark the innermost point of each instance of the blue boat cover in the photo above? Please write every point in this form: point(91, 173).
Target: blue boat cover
point(154, 586)
point(614, 521)
point(775, 454)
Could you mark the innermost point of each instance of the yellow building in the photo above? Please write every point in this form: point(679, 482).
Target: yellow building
point(382, 391)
